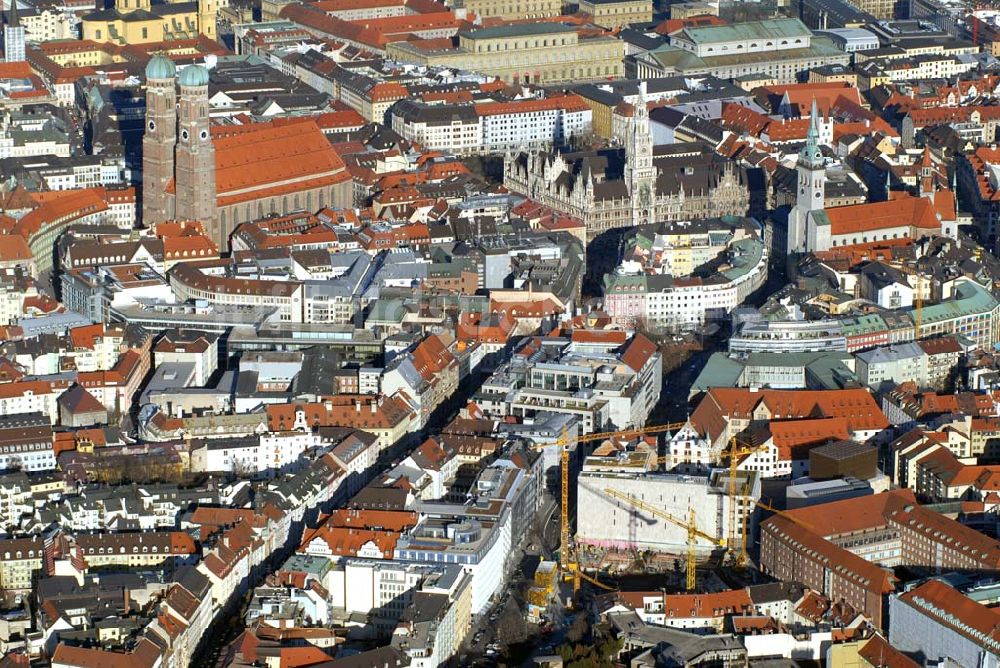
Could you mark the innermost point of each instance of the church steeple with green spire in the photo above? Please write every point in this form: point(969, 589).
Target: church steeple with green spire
point(811, 153)
point(811, 187)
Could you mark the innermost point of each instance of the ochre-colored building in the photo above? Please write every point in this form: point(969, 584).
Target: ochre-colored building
point(141, 22)
point(617, 13)
point(514, 9)
point(602, 105)
point(833, 74)
point(530, 53)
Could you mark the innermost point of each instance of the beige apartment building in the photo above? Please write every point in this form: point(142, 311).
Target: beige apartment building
point(687, 10)
point(882, 9)
point(513, 9)
point(617, 13)
point(535, 53)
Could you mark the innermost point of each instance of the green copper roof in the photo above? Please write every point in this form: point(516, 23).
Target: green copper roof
point(160, 67)
point(970, 299)
point(194, 75)
point(770, 29)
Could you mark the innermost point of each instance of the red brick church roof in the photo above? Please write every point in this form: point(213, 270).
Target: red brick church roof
point(264, 156)
point(915, 212)
point(272, 159)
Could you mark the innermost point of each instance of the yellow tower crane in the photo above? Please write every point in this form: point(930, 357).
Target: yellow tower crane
point(568, 566)
point(918, 310)
point(737, 449)
point(691, 525)
point(742, 557)
point(768, 507)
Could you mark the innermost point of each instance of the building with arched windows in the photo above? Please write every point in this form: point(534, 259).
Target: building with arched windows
point(544, 52)
point(777, 48)
point(143, 22)
point(223, 176)
point(634, 185)
point(812, 227)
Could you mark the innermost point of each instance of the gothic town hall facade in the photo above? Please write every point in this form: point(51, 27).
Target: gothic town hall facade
point(634, 185)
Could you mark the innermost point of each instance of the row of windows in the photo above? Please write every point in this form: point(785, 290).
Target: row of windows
point(145, 33)
point(517, 45)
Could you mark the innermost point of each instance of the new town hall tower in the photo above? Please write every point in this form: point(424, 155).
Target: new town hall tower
point(640, 183)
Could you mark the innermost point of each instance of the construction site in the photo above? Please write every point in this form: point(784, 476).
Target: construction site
point(631, 517)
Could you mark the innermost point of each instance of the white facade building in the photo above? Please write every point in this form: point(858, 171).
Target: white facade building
point(894, 364)
point(651, 295)
point(493, 127)
point(509, 126)
point(44, 25)
point(609, 522)
point(687, 452)
point(942, 625)
point(382, 586)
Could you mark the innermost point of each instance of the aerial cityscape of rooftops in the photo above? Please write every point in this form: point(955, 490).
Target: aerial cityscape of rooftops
point(499, 333)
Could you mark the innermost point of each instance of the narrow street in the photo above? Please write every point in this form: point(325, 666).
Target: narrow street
point(488, 640)
point(673, 403)
point(228, 628)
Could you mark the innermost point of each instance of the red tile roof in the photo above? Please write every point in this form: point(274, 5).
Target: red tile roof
point(940, 529)
point(251, 160)
point(85, 338)
point(954, 610)
point(347, 542)
point(536, 308)
point(844, 564)
point(915, 212)
point(638, 351)
point(880, 654)
point(374, 33)
point(36, 387)
point(669, 26)
point(301, 657)
point(826, 95)
point(794, 438)
point(852, 515)
point(431, 357)
point(343, 410)
point(9, 371)
point(787, 130)
point(605, 336)
point(14, 248)
point(145, 655)
point(17, 70)
point(564, 102)
point(387, 520)
point(709, 604)
point(61, 207)
point(857, 406)
point(855, 254)
point(743, 120)
point(944, 115)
